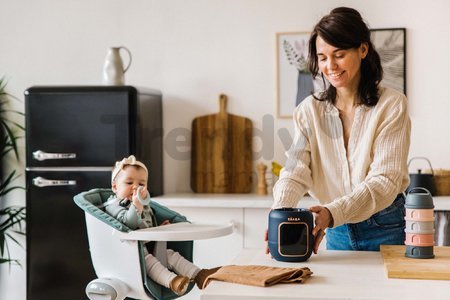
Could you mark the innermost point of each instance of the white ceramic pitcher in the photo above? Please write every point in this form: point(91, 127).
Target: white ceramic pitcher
point(113, 70)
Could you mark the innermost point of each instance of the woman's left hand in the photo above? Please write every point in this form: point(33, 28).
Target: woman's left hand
point(323, 219)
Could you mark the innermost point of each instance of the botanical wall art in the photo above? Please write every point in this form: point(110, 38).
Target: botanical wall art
point(294, 81)
point(390, 44)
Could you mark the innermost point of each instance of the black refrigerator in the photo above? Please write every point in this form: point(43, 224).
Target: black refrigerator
point(74, 134)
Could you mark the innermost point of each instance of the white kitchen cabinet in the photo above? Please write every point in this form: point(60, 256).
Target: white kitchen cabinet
point(255, 225)
point(218, 251)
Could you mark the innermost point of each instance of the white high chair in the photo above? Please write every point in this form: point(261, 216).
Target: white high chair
point(117, 251)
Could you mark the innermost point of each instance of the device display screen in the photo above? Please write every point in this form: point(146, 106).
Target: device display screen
point(293, 239)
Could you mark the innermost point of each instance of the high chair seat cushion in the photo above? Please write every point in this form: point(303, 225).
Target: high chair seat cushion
point(92, 202)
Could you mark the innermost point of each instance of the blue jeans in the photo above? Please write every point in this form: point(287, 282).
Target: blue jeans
point(386, 227)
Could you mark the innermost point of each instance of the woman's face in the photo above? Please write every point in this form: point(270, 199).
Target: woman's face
point(341, 67)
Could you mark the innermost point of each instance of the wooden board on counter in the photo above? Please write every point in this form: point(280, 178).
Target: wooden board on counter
point(399, 266)
point(221, 153)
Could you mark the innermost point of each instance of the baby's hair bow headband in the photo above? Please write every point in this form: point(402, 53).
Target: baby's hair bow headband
point(127, 161)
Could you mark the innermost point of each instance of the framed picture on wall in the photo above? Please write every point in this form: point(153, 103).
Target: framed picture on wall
point(390, 44)
point(294, 81)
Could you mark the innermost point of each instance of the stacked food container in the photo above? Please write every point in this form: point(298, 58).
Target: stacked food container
point(419, 224)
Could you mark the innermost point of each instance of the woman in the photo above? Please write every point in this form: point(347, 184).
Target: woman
point(351, 142)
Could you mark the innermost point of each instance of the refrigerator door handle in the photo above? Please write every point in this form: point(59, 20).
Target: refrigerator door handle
point(42, 182)
point(41, 155)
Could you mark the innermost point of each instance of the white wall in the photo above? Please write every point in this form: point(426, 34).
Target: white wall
point(192, 50)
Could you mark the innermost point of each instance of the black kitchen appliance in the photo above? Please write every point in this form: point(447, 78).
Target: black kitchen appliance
point(290, 236)
point(423, 180)
point(73, 137)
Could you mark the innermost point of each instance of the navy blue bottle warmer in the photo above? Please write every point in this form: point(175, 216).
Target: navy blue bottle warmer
point(290, 234)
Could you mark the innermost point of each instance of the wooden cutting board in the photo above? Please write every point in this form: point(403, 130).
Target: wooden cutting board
point(399, 266)
point(221, 160)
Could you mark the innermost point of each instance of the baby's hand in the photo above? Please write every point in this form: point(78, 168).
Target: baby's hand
point(165, 222)
point(143, 192)
point(136, 202)
point(142, 196)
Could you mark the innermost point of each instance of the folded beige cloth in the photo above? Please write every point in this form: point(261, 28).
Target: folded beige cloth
point(259, 275)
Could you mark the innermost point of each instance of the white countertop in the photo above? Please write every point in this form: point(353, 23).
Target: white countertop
point(250, 201)
point(337, 275)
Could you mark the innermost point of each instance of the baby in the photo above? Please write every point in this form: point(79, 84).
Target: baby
point(131, 206)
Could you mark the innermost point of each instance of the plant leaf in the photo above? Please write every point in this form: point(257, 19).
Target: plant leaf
point(12, 218)
point(11, 136)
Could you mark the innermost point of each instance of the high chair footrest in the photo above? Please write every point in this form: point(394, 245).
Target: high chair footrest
point(106, 289)
point(183, 231)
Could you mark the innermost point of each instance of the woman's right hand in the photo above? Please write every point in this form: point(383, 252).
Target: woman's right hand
point(266, 239)
point(323, 219)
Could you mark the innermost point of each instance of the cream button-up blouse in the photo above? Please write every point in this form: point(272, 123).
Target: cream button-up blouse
point(356, 182)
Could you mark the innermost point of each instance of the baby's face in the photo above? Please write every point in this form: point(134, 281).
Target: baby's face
point(128, 180)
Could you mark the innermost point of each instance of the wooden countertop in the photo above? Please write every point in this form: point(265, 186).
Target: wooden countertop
point(337, 275)
point(441, 203)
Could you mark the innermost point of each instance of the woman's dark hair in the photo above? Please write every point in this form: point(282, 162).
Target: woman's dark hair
point(344, 28)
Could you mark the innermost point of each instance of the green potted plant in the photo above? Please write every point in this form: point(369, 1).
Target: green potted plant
point(12, 218)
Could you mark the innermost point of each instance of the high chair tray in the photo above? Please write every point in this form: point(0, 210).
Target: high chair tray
point(183, 231)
